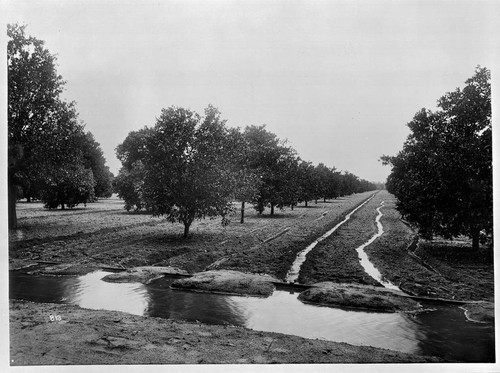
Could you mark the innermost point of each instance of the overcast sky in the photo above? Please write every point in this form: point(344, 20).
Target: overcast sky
point(338, 79)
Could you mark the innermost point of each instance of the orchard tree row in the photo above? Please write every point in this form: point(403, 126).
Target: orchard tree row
point(50, 156)
point(189, 167)
point(443, 176)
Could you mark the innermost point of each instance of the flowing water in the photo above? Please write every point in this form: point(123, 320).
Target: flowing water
point(444, 332)
point(293, 272)
point(363, 257)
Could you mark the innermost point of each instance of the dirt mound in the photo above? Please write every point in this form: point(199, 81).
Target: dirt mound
point(143, 274)
point(227, 281)
point(358, 296)
point(65, 269)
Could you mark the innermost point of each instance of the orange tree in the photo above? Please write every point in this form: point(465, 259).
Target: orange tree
point(49, 155)
point(185, 164)
point(443, 175)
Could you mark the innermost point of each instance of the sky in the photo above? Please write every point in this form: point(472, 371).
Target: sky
point(338, 79)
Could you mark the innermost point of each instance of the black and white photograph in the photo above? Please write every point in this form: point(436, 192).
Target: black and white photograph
point(260, 185)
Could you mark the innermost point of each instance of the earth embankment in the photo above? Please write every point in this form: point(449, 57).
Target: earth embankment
point(89, 337)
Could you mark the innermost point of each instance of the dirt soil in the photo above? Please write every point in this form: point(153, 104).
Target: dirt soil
point(80, 336)
point(335, 259)
point(439, 268)
point(483, 312)
point(144, 275)
point(359, 297)
point(229, 282)
point(103, 234)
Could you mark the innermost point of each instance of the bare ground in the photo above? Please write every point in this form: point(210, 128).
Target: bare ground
point(440, 268)
point(103, 234)
point(108, 337)
point(335, 258)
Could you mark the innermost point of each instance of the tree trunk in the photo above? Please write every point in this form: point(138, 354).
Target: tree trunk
point(475, 239)
point(242, 212)
point(12, 206)
point(186, 229)
point(291, 206)
point(324, 199)
point(272, 209)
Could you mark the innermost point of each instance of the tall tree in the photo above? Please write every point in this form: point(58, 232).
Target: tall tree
point(327, 183)
point(246, 180)
point(307, 181)
point(275, 164)
point(443, 176)
point(187, 165)
point(93, 159)
point(68, 185)
point(44, 132)
point(129, 185)
point(33, 99)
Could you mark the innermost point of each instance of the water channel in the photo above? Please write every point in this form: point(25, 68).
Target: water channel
point(293, 272)
point(444, 332)
point(363, 257)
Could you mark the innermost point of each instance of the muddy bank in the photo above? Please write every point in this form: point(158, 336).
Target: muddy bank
point(228, 282)
point(483, 312)
point(143, 275)
point(359, 297)
point(80, 336)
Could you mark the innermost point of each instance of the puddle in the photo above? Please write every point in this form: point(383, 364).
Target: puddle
point(445, 332)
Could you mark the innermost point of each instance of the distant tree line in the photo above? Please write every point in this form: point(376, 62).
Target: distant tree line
point(189, 167)
point(443, 176)
point(50, 156)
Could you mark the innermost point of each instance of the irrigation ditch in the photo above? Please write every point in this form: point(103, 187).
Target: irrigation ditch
point(423, 332)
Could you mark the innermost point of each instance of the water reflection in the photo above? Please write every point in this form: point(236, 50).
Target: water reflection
point(177, 304)
point(91, 292)
point(284, 313)
point(447, 333)
point(48, 289)
point(444, 332)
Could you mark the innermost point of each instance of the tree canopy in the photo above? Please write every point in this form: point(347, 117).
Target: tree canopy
point(443, 175)
point(187, 167)
point(275, 164)
point(185, 164)
point(47, 145)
